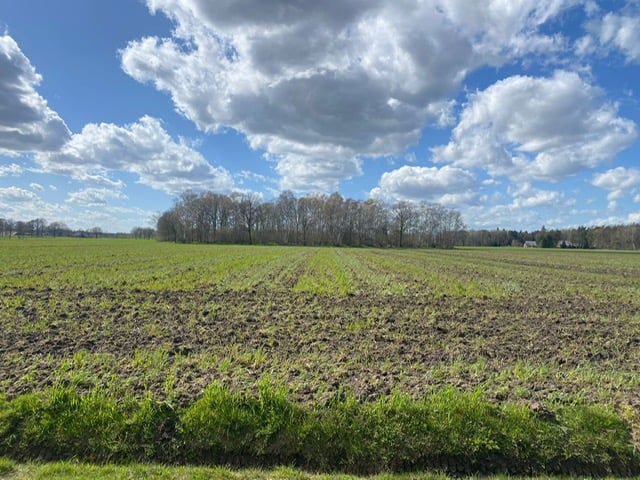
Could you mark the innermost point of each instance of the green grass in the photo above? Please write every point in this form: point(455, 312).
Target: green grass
point(448, 430)
point(74, 470)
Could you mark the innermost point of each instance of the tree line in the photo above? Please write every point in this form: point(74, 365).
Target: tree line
point(317, 219)
point(613, 237)
point(37, 227)
point(40, 227)
point(329, 220)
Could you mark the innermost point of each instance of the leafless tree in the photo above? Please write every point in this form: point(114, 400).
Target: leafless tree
point(309, 220)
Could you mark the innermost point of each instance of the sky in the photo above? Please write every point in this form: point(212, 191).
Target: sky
point(517, 113)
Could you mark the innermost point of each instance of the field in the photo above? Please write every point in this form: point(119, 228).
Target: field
point(134, 318)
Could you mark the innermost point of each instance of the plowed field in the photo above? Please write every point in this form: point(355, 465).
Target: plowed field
point(136, 317)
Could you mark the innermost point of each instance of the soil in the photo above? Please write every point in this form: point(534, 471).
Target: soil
point(521, 347)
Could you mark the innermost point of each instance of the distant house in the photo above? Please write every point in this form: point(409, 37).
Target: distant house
point(530, 244)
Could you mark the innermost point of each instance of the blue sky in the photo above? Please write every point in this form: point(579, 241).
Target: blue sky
point(518, 114)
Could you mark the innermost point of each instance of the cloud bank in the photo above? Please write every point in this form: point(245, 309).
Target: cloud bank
point(321, 85)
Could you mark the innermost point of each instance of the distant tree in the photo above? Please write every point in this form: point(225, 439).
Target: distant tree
point(57, 229)
point(303, 213)
point(317, 219)
point(333, 219)
point(142, 233)
point(168, 226)
point(36, 227)
point(403, 215)
point(452, 228)
point(6, 227)
point(96, 231)
point(544, 239)
point(21, 228)
point(246, 205)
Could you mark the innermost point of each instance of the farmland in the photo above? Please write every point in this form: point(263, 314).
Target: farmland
point(138, 318)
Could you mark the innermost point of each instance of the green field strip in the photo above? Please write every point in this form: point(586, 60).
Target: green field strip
point(368, 278)
point(265, 270)
point(325, 275)
point(425, 274)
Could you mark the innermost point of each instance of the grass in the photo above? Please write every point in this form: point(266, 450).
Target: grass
point(74, 470)
point(448, 430)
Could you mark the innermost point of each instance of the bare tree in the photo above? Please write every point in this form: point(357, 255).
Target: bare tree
point(247, 204)
point(404, 215)
point(57, 229)
point(6, 227)
point(303, 213)
point(142, 233)
point(311, 220)
point(38, 226)
point(287, 213)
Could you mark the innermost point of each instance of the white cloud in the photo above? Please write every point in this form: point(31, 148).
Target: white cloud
point(490, 217)
point(320, 85)
point(143, 148)
point(618, 181)
point(447, 185)
point(12, 170)
point(36, 186)
point(16, 194)
point(537, 128)
point(27, 124)
point(246, 175)
point(502, 29)
point(94, 196)
point(320, 172)
point(113, 218)
point(525, 196)
point(21, 204)
point(633, 218)
point(615, 31)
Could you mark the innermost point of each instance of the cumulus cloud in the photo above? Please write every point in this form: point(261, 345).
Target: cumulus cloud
point(16, 195)
point(617, 31)
point(633, 218)
point(21, 204)
point(618, 181)
point(501, 30)
point(113, 218)
point(94, 196)
point(36, 186)
point(10, 170)
point(537, 128)
point(27, 124)
point(317, 172)
point(321, 85)
point(526, 196)
point(143, 148)
point(447, 185)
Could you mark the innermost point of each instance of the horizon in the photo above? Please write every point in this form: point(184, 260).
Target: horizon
point(517, 116)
